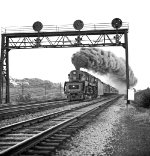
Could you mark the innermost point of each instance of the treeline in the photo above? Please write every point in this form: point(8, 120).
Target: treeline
point(142, 98)
point(33, 82)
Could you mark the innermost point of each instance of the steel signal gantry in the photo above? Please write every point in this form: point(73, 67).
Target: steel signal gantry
point(50, 36)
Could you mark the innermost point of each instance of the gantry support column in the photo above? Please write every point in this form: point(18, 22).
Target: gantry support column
point(127, 63)
point(4, 70)
point(1, 67)
point(1, 82)
point(7, 77)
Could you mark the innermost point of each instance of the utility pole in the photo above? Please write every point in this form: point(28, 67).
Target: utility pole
point(45, 91)
point(22, 86)
point(127, 65)
point(60, 87)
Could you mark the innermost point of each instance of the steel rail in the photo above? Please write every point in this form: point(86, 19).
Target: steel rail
point(8, 128)
point(60, 123)
point(8, 105)
point(7, 112)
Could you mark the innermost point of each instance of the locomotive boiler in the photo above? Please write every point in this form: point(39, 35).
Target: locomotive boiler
point(82, 85)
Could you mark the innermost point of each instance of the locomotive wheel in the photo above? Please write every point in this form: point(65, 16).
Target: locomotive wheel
point(89, 90)
point(95, 92)
point(69, 98)
point(83, 97)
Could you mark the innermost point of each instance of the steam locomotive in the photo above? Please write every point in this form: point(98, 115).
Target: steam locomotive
point(82, 85)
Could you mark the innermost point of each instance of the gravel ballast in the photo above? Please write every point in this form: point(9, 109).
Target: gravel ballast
point(117, 131)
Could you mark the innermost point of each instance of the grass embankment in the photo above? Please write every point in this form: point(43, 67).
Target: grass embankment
point(34, 89)
point(142, 98)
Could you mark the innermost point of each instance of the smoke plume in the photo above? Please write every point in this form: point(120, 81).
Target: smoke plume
point(104, 63)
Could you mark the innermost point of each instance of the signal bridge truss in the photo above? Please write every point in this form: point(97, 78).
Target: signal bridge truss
point(51, 36)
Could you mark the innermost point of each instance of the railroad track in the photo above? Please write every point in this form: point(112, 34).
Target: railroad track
point(12, 111)
point(41, 136)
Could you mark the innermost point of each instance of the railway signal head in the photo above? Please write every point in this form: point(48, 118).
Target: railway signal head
point(78, 24)
point(37, 26)
point(116, 23)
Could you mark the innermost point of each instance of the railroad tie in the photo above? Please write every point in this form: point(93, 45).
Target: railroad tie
point(44, 148)
point(62, 135)
point(35, 152)
point(58, 137)
point(53, 140)
point(45, 143)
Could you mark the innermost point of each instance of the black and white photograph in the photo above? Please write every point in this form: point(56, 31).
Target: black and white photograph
point(74, 78)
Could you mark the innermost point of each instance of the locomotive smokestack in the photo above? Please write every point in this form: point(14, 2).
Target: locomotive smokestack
point(103, 63)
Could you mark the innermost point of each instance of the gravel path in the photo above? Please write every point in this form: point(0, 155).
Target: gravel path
point(118, 131)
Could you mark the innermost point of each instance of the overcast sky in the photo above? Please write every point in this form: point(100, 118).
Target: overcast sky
point(55, 64)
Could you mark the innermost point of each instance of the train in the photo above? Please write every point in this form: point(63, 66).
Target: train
point(82, 85)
